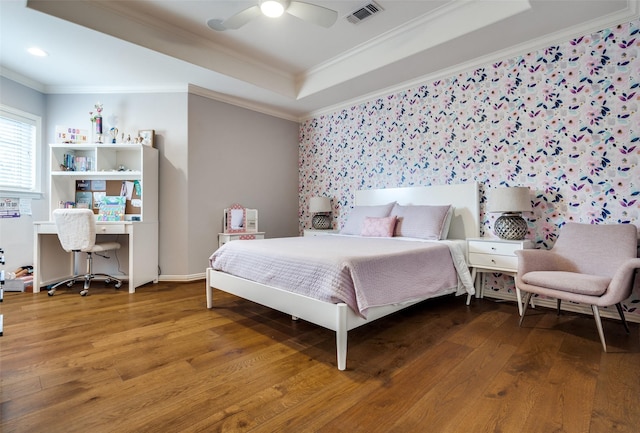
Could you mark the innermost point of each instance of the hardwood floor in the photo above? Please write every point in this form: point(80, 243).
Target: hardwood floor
point(159, 361)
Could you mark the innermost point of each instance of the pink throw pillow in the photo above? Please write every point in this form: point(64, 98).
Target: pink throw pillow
point(379, 227)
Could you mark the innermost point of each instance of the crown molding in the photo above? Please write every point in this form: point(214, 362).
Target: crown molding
point(21, 79)
point(177, 88)
point(631, 13)
point(169, 88)
point(242, 103)
point(418, 35)
point(51, 90)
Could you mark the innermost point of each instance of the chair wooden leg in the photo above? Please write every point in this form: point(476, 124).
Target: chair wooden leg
point(596, 316)
point(519, 300)
point(525, 304)
point(621, 313)
point(558, 302)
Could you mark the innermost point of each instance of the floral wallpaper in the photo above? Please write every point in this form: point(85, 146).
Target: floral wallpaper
point(563, 121)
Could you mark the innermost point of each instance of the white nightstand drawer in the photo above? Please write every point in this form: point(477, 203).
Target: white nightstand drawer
point(493, 261)
point(500, 248)
point(223, 238)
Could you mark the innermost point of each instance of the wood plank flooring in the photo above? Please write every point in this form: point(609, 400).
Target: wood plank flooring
point(159, 361)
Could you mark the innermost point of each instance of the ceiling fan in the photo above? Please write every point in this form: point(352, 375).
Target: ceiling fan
point(274, 8)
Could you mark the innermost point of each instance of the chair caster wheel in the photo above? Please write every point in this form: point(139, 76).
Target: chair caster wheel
point(118, 285)
point(107, 281)
point(51, 292)
point(84, 293)
point(70, 283)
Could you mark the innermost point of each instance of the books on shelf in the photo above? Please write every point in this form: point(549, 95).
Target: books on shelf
point(72, 162)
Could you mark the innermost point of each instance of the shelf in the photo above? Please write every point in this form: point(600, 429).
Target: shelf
point(90, 146)
point(132, 174)
point(140, 165)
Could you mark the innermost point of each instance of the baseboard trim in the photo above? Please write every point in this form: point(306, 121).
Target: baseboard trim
point(182, 278)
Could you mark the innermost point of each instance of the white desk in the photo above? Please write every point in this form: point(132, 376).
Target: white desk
point(139, 247)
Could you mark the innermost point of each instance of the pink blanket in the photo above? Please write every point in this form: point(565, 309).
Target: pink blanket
point(362, 272)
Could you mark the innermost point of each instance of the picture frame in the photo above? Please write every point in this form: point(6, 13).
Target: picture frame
point(235, 219)
point(147, 137)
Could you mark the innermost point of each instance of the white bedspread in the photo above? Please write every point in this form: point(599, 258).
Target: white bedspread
point(362, 272)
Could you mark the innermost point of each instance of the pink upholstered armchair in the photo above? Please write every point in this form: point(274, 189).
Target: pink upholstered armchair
point(589, 263)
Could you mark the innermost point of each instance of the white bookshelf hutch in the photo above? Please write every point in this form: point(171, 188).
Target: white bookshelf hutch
point(109, 164)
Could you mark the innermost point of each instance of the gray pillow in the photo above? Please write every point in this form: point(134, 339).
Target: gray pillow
point(423, 222)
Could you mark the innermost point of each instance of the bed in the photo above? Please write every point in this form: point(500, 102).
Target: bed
point(341, 314)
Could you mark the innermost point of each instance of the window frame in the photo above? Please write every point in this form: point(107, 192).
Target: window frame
point(36, 192)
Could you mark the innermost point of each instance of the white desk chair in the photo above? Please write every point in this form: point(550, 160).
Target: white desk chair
point(77, 232)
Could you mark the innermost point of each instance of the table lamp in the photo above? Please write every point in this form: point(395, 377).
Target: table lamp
point(320, 209)
point(511, 202)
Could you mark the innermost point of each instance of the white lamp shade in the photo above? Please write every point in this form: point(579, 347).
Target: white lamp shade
point(319, 205)
point(509, 199)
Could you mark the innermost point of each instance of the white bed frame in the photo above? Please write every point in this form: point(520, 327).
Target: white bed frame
point(339, 317)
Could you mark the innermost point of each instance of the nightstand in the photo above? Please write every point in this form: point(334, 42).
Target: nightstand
point(223, 238)
point(318, 232)
point(495, 255)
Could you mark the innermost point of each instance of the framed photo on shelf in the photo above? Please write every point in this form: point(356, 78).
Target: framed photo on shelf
point(147, 136)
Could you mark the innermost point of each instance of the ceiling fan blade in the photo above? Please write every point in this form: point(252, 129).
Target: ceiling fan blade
point(241, 18)
point(313, 13)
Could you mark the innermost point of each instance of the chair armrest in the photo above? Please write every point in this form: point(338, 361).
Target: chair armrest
point(538, 260)
point(622, 282)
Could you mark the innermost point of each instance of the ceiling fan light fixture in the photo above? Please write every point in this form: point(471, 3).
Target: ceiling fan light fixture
point(272, 8)
point(38, 52)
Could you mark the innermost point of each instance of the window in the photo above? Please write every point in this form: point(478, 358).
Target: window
point(19, 143)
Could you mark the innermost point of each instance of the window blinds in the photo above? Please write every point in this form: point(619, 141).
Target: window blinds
point(17, 152)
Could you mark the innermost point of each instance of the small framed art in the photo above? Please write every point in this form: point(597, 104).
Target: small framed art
point(147, 137)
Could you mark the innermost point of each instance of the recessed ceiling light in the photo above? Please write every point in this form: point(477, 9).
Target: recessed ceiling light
point(37, 52)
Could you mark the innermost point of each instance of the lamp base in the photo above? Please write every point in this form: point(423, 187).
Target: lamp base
point(321, 222)
point(510, 227)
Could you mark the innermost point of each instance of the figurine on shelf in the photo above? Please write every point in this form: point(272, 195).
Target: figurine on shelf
point(114, 134)
point(96, 122)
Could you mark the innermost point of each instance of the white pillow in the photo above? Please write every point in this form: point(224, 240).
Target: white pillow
point(356, 217)
point(423, 222)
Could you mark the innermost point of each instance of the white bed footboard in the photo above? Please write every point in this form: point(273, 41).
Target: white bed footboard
point(336, 317)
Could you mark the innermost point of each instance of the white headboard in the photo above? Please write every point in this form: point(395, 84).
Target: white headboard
point(464, 197)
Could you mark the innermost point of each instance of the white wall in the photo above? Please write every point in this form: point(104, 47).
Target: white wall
point(16, 234)
point(166, 113)
point(212, 154)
